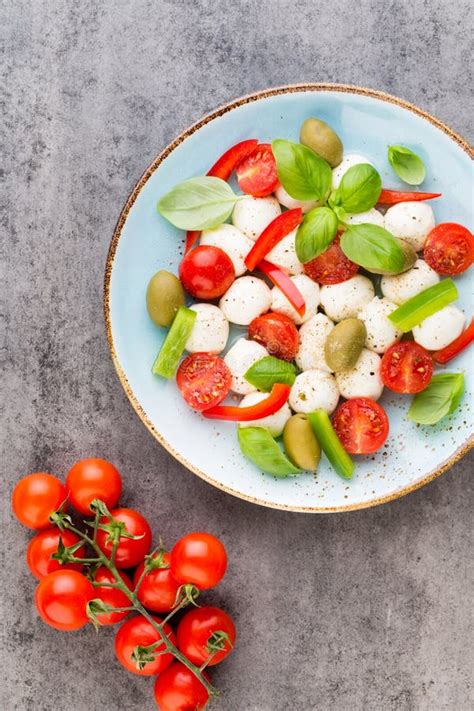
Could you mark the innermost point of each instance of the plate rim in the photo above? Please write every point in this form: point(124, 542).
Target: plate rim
point(207, 118)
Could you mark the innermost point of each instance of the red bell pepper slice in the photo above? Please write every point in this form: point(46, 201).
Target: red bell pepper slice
point(223, 169)
point(276, 399)
point(392, 197)
point(272, 234)
point(458, 345)
point(284, 283)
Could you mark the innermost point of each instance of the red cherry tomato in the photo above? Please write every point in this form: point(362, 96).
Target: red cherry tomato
point(138, 631)
point(36, 497)
point(61, 598)
point(257, 174)
point(332, 266)
point(158, 589)
point(361, 424)
point(199, 558)
point(406, 368)
point(130, 551)
point(111, 596)
point(42, 547)
point(204, 380)
point(277, 333)
point(206, 272)
point(195, 632)
point(92, 479)
point(449, 249)
point(178, 689)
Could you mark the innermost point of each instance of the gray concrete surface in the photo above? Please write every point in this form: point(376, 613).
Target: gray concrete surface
point(369, 611)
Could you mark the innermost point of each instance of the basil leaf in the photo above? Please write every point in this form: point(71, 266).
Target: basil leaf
point(423, 305)
point(440, 398)
point(303, 174)
point(358, 190)
point(315, 233)
point(406, 164)
point(198, 203)
point(258, 445)
point(270, 370)
point(372, 247)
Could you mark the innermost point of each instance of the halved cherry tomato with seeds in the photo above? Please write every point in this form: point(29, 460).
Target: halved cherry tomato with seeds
point(361, 424)
point(42, 547)
point(257, 174)
point(206, 272)
point(449, 249)
point(332, 266)
point(204, 380)
point(277, 333)
point(406, 368)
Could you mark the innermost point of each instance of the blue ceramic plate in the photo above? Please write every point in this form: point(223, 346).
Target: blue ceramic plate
point(367, 121)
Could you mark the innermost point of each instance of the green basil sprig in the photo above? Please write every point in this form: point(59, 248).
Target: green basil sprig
point(406, 164)
point(372, 247)
point(303, 174)
point(258, 445)
point(270, 370)
point(198, 203)
point(358, 190)
point(315, 233)
point(440, 398)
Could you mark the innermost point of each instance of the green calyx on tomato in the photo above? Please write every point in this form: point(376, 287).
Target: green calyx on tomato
point(167, 360)
point(258, 445)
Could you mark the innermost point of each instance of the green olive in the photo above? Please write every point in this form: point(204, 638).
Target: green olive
point(301, 444)
point(164, 296)
point(320, 137)
point(344, 344)
point(410, 259)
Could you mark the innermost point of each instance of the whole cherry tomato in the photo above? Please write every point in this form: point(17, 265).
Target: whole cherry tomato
point(138, 631)
point(42, 547)
point(61, 598)
point(361, 424)
point(130, 551)
point(206, 272)
point(158, 589)
point(91, 479)
point(36, 497)
point(199, 558)
point(111, 596)
point(178, 689)
point(277, 333)
point(199, 629)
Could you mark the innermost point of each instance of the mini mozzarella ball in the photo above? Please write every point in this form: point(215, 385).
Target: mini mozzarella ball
point(313, 335)
point(371, 217)
point(411, 221)
point(239, 358)
point(245, 299)
point(210, 331)
point(437, 331)
point(275, 423)
point(284, 255)
point(314, 390)
point(381, 333)
point(232, 241)
point(347, 162)
point(251, 215)
point(346, 299)
point(291, 203)
point(401, 287)
point(309, 291)
point(364, 379)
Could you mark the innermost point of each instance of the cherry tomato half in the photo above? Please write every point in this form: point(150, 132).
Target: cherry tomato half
point(111, 596)
point(449, 249)
point(44, 544)
point(406, 368)
point(361, 424)
point(92, 479)
point(130, 551)
point(36, 497)
point(257, 174)
point(158, 589)
point(199, 558)
point(204, 380)
point(195, 632)
point(178, 689)
point(277, 333)
point(332, 266)
point(206, 272)
point(138, 631)
point(61, 598)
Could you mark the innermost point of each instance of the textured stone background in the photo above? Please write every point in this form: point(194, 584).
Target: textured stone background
point(367, 611)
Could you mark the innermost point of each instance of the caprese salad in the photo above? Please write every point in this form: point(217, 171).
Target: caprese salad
point(338, 288)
